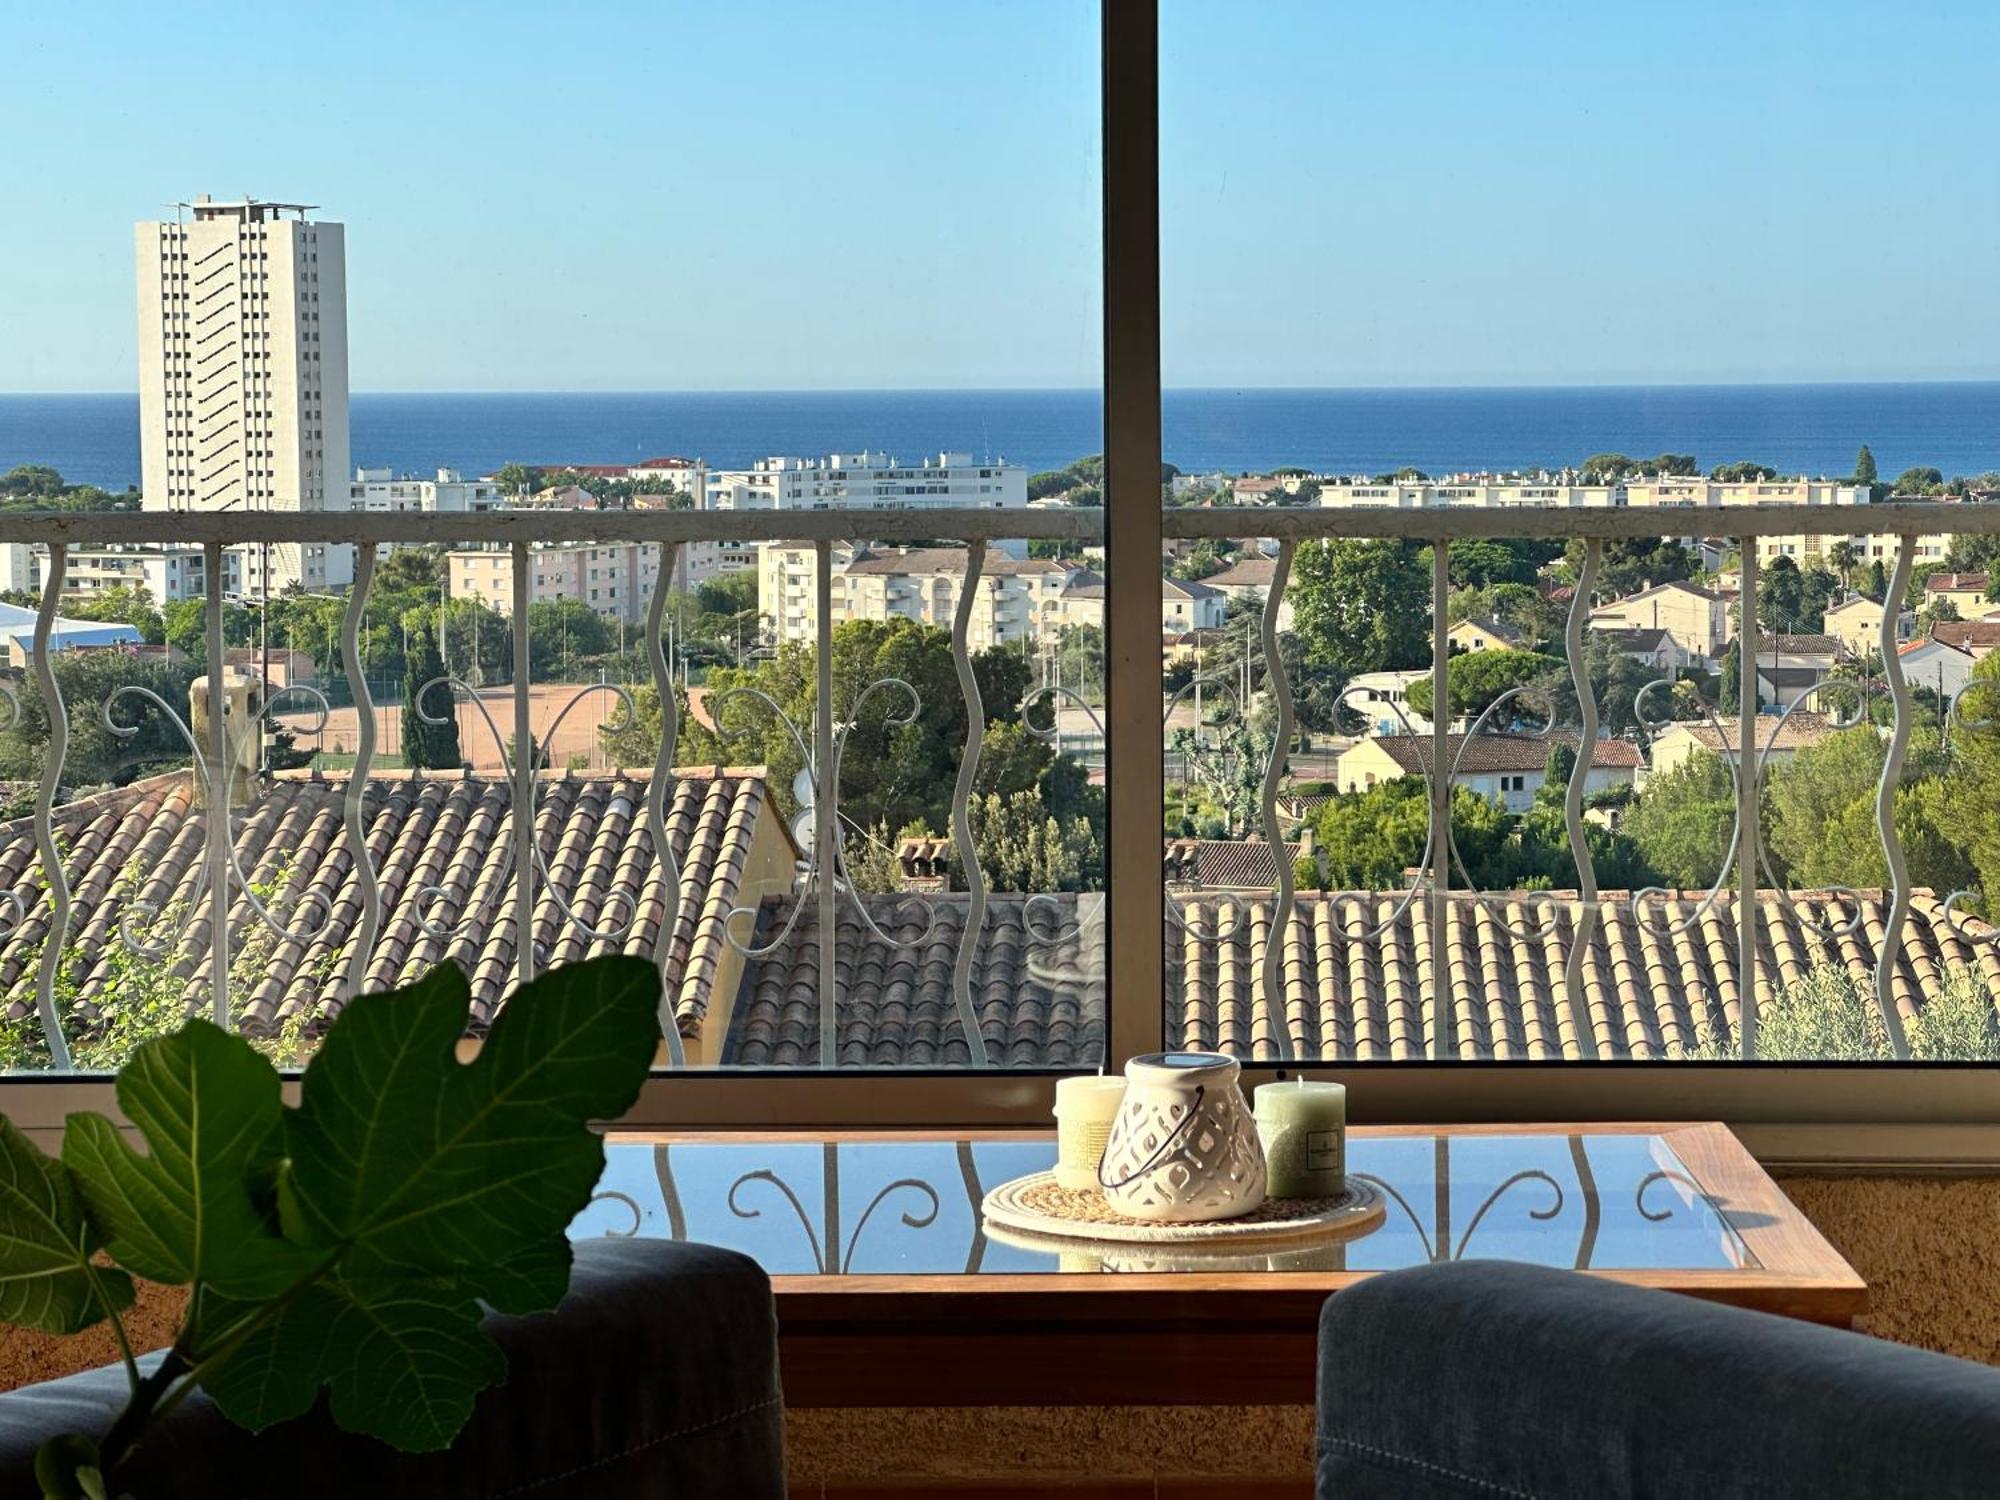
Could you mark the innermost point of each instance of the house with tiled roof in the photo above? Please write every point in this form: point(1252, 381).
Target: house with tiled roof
point(1697, 618)
point(1980, 638)
point(1356, 976)
point(1656, 648)
point(1504, 768)
point(1186, 606)
point(442, 849)
point(1248, 581)
point(1789, 665)
point(1779, 742)
point(1479, 633)
point(1968, 593)
point(1940, 665)
point(1857, 624)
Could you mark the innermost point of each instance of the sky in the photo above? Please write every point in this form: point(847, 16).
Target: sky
point(883, 195)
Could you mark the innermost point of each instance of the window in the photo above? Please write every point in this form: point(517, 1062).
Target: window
point(1302, 344)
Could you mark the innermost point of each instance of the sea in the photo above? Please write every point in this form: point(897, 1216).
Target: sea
point(1811, 429)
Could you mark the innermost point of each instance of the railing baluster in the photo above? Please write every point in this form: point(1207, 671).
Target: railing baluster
point(1440, 791)
point(1274, 768)
point(1748, 839)
point(53, 878)
point(354, 804)
point(657, 793)
point(825, 798)
point(1584, 931)
point(524, 779)
point(217, 790)
point(961, 801)
point(1885, 799)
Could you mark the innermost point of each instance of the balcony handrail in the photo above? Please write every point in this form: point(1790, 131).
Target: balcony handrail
point(531, 526)
point(1537, 523)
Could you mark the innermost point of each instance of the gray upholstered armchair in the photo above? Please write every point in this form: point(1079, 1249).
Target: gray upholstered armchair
point(1490, 1380)
point(657, 1376)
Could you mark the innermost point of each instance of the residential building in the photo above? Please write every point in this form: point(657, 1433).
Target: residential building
point(1980, 637)
point(169, 574)
point(1857, 624)
point(1940, 665)
point(1776, 742)
point(1791, 665)
point(1480, 634)
point(1546, 491)
point(382, 490)
point(1965, 592)
point(1019, 599)
point(1383, 698)
point(1696, 618)
point(1190, 606)
point(1505, 768)
point(942, 481)
point(243, 373)
point(1656, 648)
point(1248, 580)
point(614, 578)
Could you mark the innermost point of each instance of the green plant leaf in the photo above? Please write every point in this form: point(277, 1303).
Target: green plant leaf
point(208, 1107)
point(404, 1361)
point(45, 1244)
point(440, 1186)
point(424, 1166)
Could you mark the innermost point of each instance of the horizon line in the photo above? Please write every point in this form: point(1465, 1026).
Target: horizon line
point(1097, 390)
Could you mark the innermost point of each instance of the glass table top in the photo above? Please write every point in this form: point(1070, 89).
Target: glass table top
point(911, 1208)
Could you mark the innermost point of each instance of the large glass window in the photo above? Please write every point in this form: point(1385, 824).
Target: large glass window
point(1536, 262)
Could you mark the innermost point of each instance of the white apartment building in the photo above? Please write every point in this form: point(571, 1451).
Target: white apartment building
point(1539, 493)
point(1019, 599)
point(382, 490)
point(243, 372)
point(943, 481)
point(169, 574)
point(614, 578)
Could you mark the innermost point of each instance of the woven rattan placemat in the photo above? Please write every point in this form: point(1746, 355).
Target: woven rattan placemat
point(1038, 1205)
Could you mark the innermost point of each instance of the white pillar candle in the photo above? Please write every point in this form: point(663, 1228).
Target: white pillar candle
point(1085, 1108)
point(1303, 1127)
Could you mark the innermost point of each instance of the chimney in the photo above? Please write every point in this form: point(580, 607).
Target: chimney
point(242, 701)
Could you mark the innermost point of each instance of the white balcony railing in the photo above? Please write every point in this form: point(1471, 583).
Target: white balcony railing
point(223, 893)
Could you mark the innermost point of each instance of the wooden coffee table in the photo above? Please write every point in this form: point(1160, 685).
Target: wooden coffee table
point(890, 1293)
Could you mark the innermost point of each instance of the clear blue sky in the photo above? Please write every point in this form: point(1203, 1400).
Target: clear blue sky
point(672, 195)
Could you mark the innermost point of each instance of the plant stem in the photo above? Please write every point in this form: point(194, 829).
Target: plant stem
point(139, 1410)
point(117, 1326)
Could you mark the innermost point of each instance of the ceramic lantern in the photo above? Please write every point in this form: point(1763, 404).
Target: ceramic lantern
point(1184, 1147)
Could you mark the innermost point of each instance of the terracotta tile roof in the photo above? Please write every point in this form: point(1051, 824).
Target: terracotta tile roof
point(1976, 636)
point(1503, 752)
point(1642, 639)
point(447, 836)
point(1350, 993)
point(1186, 589)
point(1958, 583)
point(1803, 728)
point(1235, 864)
point(1249, 572)
point(1799, 645)
point(1037, 985)
point(1487, 625)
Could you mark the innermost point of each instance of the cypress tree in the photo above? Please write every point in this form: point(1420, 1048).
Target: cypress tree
point(432, 746)
point(1864, 466)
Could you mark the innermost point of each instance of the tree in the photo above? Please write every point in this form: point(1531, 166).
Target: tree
point(1478, 562)
point(1822, 830)
point(1683, 821)
point(1743, 473)
point(1629, 566)
point(1475, 678)
point(1975, 778)
point(515, 479)
point(1362, 606)
point(1022, 846)
point(127, 604)
point(1864, 466)
point(88, 679)
point(1923, 481)
point(1878, 581)
point(1845, 557)
point(434, 747)
point(559, 631)
point(1792, 599)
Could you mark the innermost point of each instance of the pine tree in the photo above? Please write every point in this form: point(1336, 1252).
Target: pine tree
point(432, 746)
point(1864, 466)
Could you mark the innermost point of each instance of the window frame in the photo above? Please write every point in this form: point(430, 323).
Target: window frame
point(1863, 1116)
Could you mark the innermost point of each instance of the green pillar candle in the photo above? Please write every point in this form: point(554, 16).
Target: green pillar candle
point(1303, 1128)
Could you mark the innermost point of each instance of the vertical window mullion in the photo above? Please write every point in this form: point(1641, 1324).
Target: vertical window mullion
point(1135, 739)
